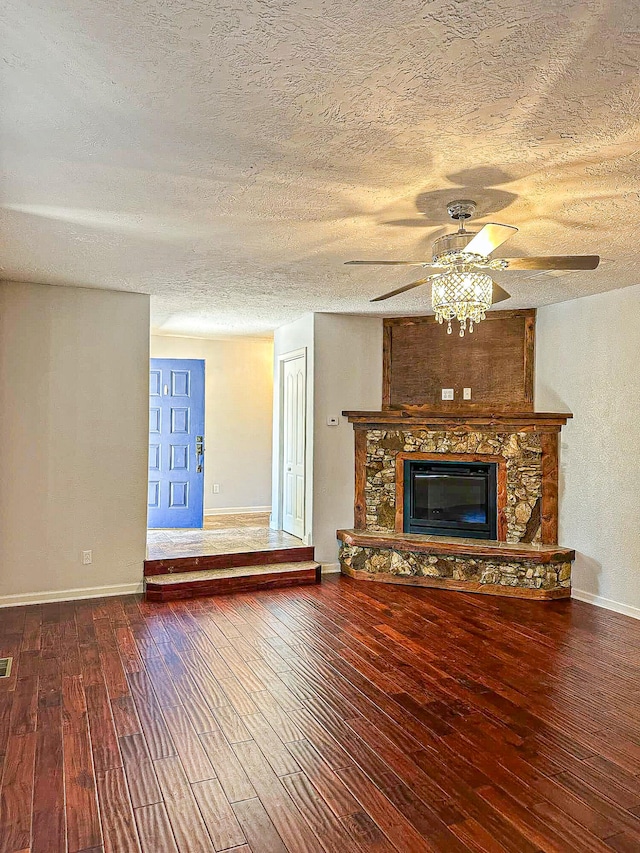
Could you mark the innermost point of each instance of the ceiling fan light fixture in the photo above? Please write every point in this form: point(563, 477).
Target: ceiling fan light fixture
point(461, 295)
point(460, 288)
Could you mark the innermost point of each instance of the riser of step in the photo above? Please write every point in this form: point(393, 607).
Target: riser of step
point(227, 561)
point(163, 588)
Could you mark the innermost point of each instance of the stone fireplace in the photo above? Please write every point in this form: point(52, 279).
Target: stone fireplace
point(519, 553)
point(517, 456)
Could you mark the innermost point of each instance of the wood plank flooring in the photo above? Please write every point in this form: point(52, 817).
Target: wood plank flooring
point(342, 717)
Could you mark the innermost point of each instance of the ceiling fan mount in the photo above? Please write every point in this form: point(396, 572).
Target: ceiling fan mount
point(462, 209)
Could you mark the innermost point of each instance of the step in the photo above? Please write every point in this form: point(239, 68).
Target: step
point(227, 561)
point(191, 584)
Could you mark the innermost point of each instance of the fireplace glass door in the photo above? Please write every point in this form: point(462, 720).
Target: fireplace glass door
point(450, 499)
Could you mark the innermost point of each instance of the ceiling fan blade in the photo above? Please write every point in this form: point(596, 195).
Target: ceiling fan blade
point(499, 294)
point(554, 262)
point(489, 238)
point(393, 263)
point(403, 289)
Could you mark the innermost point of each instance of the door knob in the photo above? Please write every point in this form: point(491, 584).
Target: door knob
point(199, 453)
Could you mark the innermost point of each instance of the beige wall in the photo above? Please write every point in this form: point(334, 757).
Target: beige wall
point(588, 352)
point(344, 371)
point(348, 375)
point(74, 425)
point(238, 416)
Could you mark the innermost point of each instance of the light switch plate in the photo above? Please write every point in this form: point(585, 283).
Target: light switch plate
point(447, 393)
point(466, 393)
point(333, 420)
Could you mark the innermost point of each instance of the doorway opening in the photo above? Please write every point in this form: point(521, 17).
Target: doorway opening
point(210, 456)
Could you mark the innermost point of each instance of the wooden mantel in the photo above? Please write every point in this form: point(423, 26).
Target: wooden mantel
point(420, 417)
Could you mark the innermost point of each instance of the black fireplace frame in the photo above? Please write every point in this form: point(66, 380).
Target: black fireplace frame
point(436, 467)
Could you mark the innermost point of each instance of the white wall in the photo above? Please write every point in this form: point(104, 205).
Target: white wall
point(73, 456)
point(587, 362)
point(348, 375)
point(238, 416)
point(293, 337)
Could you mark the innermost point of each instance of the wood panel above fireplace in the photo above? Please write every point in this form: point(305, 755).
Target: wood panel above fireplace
point(496, 362)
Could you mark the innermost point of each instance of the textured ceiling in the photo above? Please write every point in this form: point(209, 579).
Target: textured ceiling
point(227, 156)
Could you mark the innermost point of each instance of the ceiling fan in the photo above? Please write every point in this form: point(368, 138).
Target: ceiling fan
point(461, 287)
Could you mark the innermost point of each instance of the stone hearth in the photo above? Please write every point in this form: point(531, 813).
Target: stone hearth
point(523, 573)
point(534, 571)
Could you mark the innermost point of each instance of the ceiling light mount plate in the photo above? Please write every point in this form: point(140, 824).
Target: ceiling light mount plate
point(461, 209)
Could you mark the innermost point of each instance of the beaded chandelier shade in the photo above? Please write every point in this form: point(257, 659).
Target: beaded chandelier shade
point(461, 295)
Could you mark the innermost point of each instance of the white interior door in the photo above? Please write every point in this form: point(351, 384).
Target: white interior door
point(294, 395)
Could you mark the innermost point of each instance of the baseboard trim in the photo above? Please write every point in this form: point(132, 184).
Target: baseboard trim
point(70, 594)
point(606, 603)
point(236, 510)
point(330, 568)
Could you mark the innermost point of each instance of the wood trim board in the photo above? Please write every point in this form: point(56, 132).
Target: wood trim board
point(421, 416)
point(445, 546)
point(549, 498)
point(529, 357)
point(386, 364)
point(168, 565)
point(359, 505)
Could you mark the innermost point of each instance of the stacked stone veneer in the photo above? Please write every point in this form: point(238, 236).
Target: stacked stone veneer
point(498, 572)
point(521, 451)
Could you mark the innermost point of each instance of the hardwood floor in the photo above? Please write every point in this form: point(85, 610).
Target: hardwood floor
point(342, 717)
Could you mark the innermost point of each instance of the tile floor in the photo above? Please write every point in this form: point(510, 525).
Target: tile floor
point(222, 534)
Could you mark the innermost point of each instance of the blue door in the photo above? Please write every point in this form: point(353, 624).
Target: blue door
point(176, 442)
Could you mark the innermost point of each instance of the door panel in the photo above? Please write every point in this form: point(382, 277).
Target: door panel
point(294, 387)
point(176, 421)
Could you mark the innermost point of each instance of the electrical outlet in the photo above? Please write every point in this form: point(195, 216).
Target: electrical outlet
point(447, 393)
point(87, 558)
point(216, 488)
point(466, 393)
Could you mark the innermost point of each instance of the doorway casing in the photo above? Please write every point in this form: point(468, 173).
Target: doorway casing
point(278, 513)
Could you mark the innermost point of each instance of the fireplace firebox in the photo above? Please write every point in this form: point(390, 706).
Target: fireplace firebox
point(450, 498)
